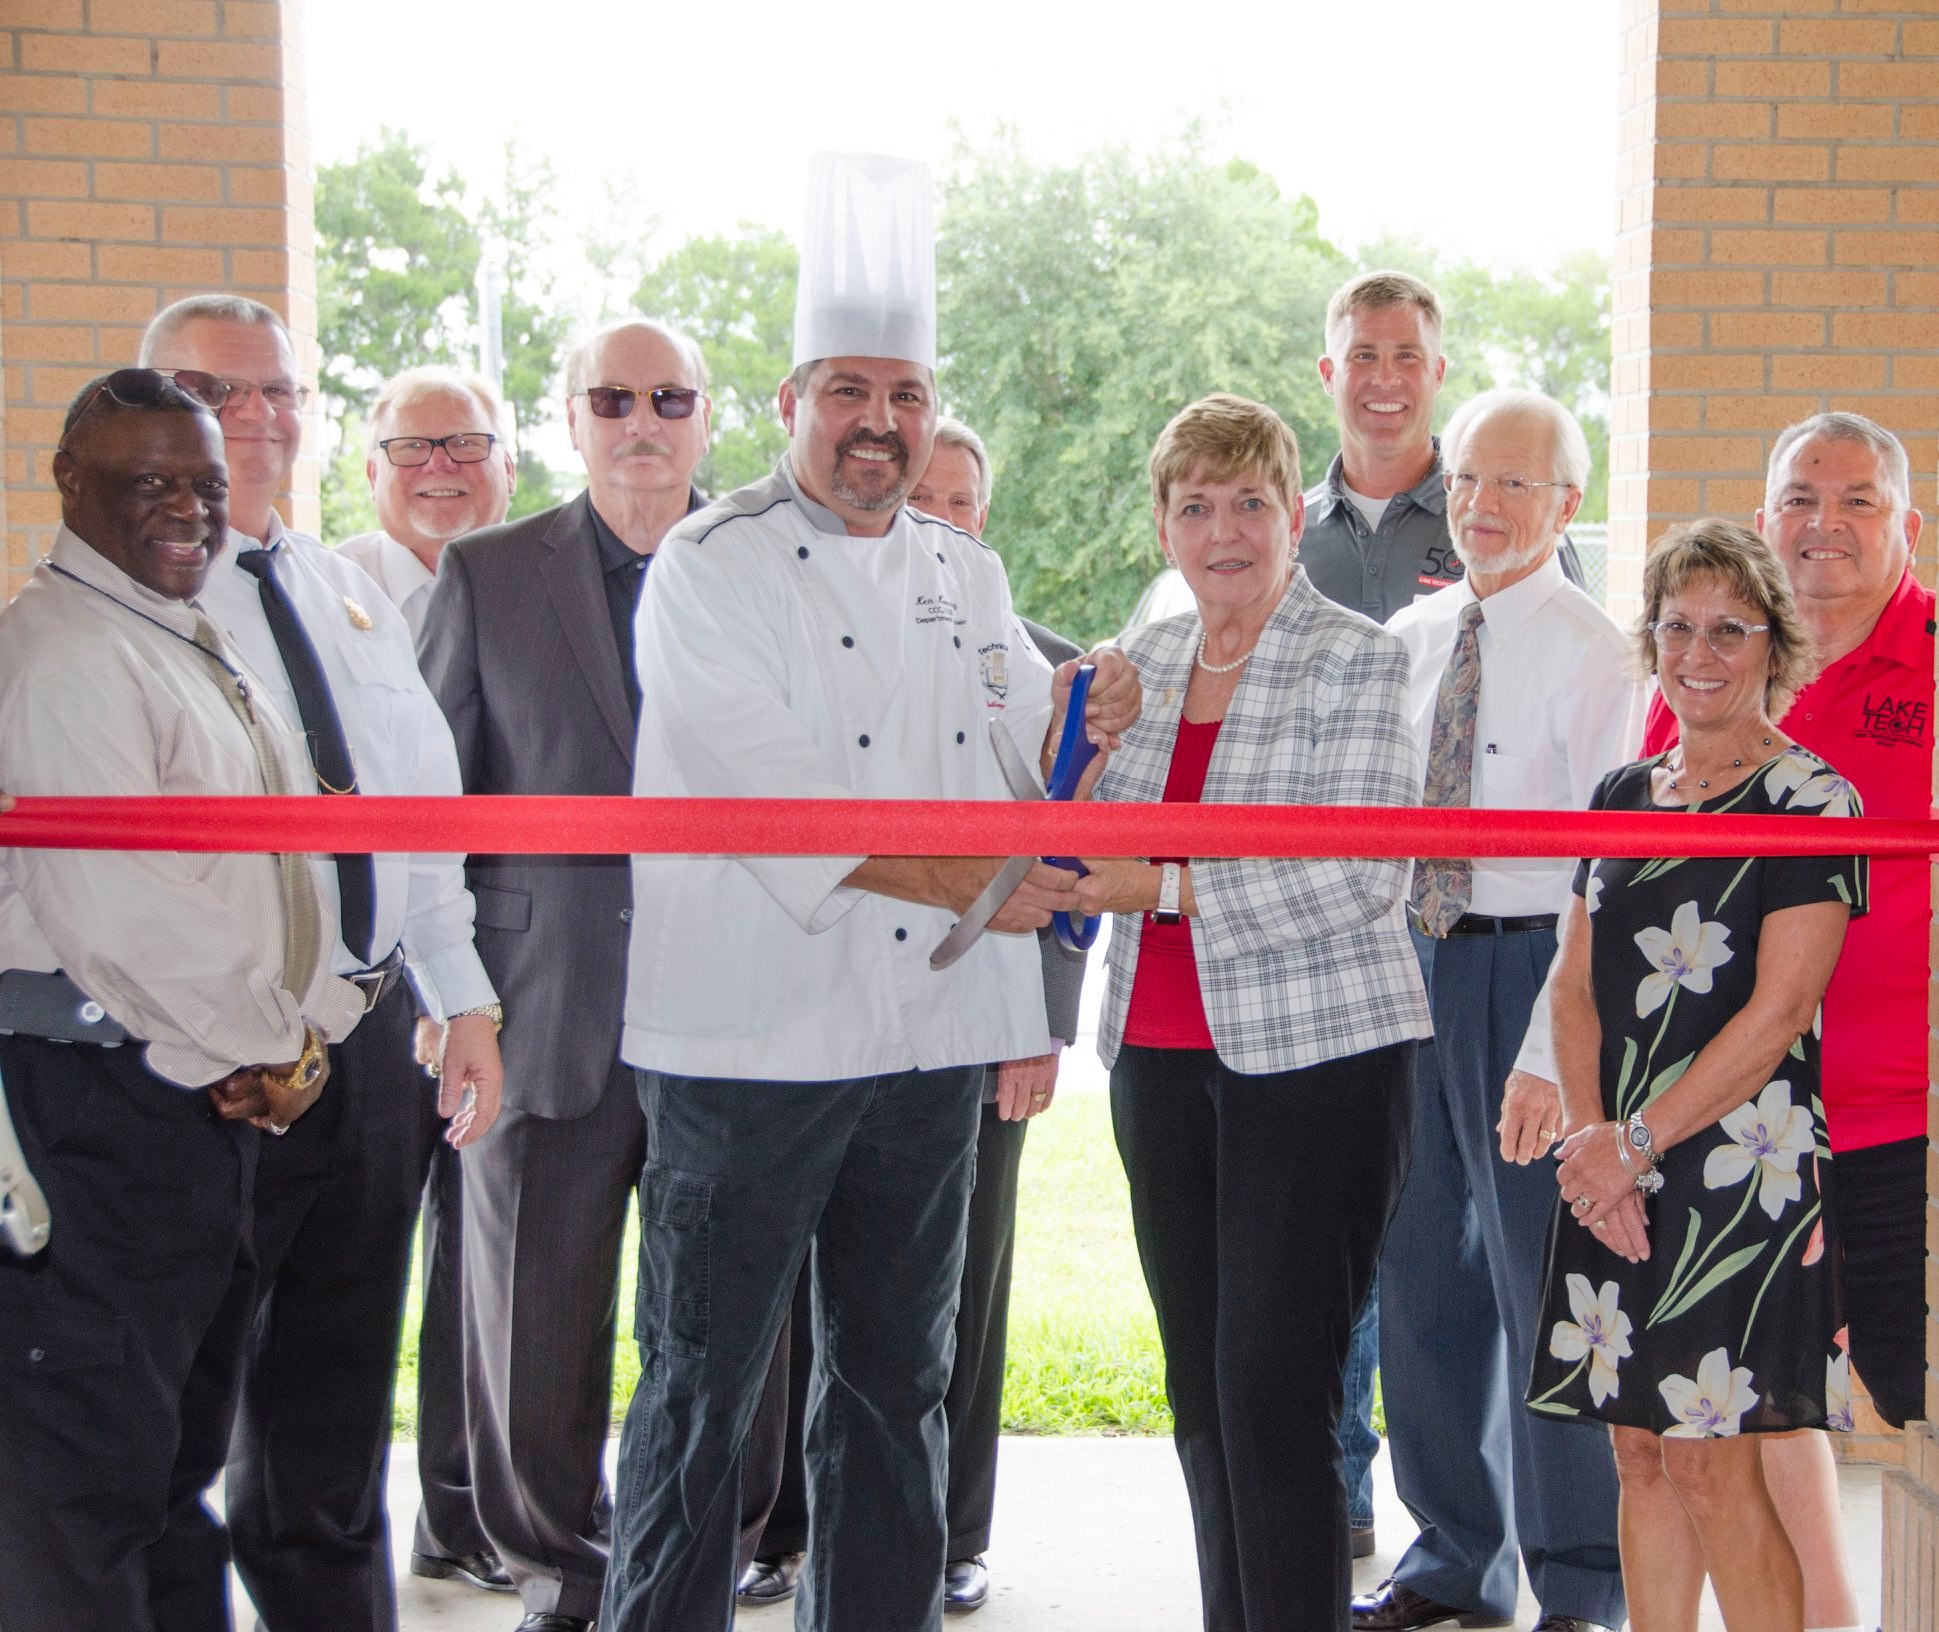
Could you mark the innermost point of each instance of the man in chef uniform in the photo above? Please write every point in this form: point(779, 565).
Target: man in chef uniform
point(811, 1086)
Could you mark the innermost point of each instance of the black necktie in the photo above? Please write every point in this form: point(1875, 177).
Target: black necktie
point(329, 749)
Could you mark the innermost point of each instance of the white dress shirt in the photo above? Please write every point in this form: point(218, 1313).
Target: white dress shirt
point(1560, 704)
point(781, 658)
point(397, 572)
point(103, 693)
point(398, 738)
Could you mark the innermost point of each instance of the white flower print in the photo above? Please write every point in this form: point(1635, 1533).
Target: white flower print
point(1768, 1136)
point(1600, 1330)
point(1684, 955)
point(1712, 1404)
point(1809, 781)
point(1592, 896)
point(1838, 1393)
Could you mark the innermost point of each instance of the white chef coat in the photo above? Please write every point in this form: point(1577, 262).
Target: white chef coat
point(1561, 704)
point(398, 737)
point(397, 572)
point(780, 657)
point(102, 693)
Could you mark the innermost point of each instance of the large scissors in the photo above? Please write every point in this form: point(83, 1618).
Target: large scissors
point(1075, 751)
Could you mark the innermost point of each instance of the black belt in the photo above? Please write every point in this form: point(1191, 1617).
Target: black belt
point(377, 981)
point(1473, 923)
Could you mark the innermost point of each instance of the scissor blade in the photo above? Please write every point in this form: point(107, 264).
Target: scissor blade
point(970, 927)
point(1015, 768)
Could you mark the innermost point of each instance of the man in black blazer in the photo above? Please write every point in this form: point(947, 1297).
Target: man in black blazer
point(528, 646)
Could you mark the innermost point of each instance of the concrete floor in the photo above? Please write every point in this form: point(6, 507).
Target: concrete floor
point(1092, 1535)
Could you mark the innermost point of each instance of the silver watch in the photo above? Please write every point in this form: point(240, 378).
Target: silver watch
point(1170, 887)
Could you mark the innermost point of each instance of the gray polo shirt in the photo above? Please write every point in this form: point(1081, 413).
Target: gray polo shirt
point(1376, 573)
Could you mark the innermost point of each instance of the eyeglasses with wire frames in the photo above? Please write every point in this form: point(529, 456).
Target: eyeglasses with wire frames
point(1726, 637)
point(616, 401)
point(1468, 484)
point(466, 448)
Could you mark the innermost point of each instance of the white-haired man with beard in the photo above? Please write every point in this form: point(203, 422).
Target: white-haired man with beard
point(1523, 696)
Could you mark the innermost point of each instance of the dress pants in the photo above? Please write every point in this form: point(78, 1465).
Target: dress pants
point(336, 1202)
point(1460, 1289)
point(974, 1403)
point(544, 1213)
point(447, 1520)
point(1875, 1206)
point(119, 1346)
point(746, 1178)
point(1259, 1204)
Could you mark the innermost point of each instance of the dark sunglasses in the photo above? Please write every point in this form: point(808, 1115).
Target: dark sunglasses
point(616, 401)
point(147, 388)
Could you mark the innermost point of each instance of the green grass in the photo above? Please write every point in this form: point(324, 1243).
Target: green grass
point(1083, 1352)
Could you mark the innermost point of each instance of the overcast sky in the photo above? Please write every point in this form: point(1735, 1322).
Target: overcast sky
point(1487, 129)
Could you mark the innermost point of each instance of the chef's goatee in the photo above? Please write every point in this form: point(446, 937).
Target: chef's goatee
point(868, 261)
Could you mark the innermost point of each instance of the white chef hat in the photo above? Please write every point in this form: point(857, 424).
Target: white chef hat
point(868, 261)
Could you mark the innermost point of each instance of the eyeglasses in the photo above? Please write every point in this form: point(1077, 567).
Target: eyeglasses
point(616, 401)
point(466, 448)
point(1467, 484)
point(149, 388)
point(1726, 637)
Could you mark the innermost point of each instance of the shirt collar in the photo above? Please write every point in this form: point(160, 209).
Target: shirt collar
point(79, 559)
point(1508, 611)
point(820, 517)
point(402, 562)
point(1427, 494)
point(1903, 633)
point(614, 552)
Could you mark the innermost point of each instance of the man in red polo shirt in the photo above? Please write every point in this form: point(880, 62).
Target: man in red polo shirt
point(1838, 511)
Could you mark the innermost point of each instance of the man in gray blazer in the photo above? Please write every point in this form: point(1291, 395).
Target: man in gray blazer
point(528, 646)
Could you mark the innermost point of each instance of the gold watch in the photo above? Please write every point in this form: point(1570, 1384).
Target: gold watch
point(494, 1012)
point(309, 1064)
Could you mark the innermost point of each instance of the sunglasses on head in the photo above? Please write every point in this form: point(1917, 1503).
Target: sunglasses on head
point(616, 401)
point(149, 388)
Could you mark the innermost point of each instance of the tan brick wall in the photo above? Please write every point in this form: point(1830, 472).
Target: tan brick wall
point(1777, 254)
point(149, 149)
point(1777, 247)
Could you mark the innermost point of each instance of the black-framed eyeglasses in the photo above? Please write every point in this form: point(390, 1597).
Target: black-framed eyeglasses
point(616, 401)
point(1726, 637)
point(1467, 483)
point(466, 448)
point(149, 388)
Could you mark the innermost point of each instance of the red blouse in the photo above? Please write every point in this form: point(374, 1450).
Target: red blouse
point(1166, 1010)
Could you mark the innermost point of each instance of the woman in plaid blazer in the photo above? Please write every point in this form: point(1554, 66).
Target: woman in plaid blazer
point(1261, 1017)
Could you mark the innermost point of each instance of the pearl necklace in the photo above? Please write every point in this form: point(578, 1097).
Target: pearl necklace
point(1222, 668)
point(1703, 782)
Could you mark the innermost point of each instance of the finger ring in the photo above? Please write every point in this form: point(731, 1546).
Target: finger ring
point(279, 1128)
point(1548, 1133)
point(1598, 1223)
point(1040, 1095)
point(1582, 1204)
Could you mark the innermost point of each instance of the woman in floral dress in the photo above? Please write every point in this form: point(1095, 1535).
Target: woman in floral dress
point(1690, 1303)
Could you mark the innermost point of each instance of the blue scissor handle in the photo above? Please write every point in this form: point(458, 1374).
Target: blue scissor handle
point(1075, 751)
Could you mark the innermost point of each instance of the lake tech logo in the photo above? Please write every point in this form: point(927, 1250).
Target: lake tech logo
point(995, 659)
point(936, 609)
point(1903, 720)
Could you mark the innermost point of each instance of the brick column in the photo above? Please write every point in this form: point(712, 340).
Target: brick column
point(1777, 255)
point(149, 149)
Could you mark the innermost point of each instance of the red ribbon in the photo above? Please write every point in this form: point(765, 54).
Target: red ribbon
point(501, 825)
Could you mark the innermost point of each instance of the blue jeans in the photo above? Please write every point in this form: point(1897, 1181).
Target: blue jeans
point(869, 1179)
point(1359, 1444)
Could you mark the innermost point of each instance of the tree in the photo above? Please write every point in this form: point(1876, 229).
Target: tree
point(1546, 332)
point(735, 297)
point(1081, 306)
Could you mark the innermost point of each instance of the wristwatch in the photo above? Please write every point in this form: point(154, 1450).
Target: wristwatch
point(1636, 1137)
point(494, 1012)
point(309, 1064)
point(1170, 884)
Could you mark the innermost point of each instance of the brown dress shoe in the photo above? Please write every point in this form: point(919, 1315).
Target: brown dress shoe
point(1394, 1607)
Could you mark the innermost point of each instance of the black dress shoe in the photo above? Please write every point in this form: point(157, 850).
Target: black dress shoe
point(552, 1621)
point(1568, 1623)
point(1393, 1607)
point(482, 1569)
point(769, 1580)
point(1361, 1536)
point(966, 1584)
